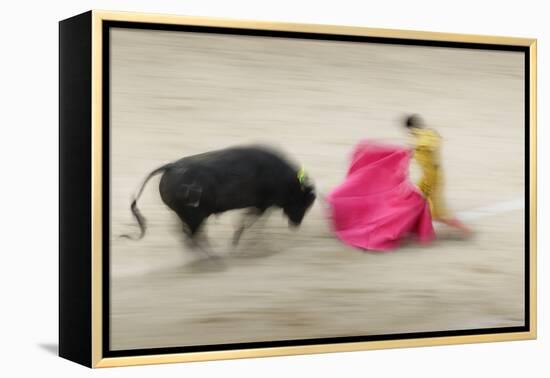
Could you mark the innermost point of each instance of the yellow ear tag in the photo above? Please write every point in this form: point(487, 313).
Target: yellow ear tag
point(301, 176)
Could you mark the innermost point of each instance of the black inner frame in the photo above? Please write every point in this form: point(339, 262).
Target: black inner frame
point(107, 25)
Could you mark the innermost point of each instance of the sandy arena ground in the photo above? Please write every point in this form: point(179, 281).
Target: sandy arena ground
point(179, 94)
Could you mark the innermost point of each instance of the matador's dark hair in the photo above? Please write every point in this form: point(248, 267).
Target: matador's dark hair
point(412, 121)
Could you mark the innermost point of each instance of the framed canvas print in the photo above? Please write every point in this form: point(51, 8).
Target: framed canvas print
point(235, 189)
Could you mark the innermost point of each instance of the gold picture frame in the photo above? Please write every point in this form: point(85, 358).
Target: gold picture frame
point(82, 271)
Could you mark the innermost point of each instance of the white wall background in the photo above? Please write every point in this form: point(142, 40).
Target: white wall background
point(28, 200)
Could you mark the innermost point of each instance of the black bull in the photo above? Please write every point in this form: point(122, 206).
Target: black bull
point(256, 178)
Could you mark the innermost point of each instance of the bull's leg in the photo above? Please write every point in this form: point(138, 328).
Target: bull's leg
point(248, 219)
point(199, 241)
point(193, 221)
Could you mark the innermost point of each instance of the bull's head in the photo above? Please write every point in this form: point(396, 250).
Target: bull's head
point(300, 198)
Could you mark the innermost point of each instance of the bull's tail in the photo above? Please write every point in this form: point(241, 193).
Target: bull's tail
point(133, 207)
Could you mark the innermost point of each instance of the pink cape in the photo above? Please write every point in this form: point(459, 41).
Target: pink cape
point(377, 206)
